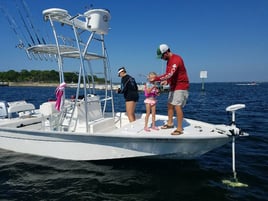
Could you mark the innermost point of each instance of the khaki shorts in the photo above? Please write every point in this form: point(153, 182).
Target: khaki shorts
point(178, 97)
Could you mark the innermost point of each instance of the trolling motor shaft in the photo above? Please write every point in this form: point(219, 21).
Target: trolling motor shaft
point(235, 131)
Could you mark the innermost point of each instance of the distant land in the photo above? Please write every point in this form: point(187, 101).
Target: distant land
point(44, 84)
point(30, 84)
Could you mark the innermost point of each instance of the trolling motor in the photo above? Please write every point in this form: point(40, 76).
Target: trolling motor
point(233, 108)
point(235, 132)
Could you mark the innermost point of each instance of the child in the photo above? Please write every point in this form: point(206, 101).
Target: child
point(150, 92)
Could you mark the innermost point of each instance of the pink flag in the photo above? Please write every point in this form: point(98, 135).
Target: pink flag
point(59, 93)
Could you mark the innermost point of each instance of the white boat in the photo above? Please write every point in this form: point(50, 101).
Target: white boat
point(248, 84)
point(87, 127)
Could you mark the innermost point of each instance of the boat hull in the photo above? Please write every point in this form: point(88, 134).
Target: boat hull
point(78, 146)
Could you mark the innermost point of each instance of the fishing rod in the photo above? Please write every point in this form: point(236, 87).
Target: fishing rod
point(20, 35)
point(28, 16)
point(29, 32)
point(14, 28)
point(25, 25)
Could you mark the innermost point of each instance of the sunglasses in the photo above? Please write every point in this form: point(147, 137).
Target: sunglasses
point(163, 55)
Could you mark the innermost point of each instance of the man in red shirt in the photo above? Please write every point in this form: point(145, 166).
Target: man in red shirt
point(177, 78)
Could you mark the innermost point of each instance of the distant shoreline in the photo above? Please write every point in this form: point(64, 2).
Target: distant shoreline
point(97, 86)
point(69, 85)
point(32, 84)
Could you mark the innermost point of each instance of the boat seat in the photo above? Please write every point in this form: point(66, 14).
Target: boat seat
point(19, 106)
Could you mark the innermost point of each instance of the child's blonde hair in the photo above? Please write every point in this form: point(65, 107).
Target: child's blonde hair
point(152, 74)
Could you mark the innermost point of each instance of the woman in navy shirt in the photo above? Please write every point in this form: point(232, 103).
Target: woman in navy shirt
point(130, 90)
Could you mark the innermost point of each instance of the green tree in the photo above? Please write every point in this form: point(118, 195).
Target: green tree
point(24, 75)
point(12, 75)
point(35, 74)
point(42, 76)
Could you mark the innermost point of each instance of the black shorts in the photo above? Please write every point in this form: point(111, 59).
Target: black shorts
point(132, 97)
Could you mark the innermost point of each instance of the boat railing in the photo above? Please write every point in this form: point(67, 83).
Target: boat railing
point(89, 29)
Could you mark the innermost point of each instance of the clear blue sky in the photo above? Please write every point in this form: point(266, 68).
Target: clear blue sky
point(228, 38)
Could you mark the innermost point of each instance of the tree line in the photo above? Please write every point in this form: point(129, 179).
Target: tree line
point(48, 76)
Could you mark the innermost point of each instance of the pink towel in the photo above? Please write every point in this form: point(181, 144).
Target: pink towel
point(59, 93)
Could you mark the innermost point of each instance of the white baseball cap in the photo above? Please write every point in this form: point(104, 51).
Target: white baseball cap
point(121, 70)
point(161, 50)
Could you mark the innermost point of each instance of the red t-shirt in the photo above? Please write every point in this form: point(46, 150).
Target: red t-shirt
point(176, 74)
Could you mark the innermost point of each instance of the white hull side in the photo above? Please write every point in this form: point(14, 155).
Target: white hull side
point(72, 146)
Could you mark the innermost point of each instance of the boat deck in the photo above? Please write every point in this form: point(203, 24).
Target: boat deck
point(191, 129)
point(107, 127)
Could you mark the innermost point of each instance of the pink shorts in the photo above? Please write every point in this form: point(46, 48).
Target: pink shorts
point(150, 101)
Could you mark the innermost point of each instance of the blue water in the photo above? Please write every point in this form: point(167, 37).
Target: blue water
point(24, 177)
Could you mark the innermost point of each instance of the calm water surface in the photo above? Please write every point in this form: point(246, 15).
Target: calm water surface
point(24, 177)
